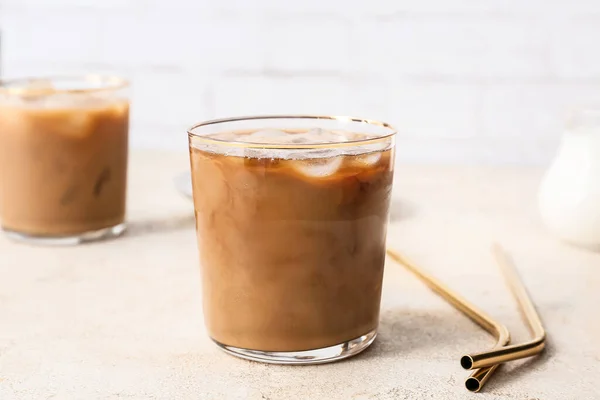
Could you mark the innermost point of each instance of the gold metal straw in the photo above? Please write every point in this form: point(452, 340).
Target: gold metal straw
point(479, 377)
point(528, 312)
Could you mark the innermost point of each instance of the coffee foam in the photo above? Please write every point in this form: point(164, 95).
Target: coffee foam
point(42, 94)
point(278, 137)
point(313, 136)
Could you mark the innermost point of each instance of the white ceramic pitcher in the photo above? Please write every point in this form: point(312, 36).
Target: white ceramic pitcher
point(569, 196)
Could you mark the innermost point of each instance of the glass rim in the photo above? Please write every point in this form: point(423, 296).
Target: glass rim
point(106, 82)
point(317, 145)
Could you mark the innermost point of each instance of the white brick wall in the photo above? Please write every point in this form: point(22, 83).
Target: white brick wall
point(468, 81)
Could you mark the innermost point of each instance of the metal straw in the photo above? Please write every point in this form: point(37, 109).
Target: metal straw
point(479, 377)
point(529, 314)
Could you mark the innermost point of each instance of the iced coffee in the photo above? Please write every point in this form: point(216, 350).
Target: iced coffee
point(63, 159)
point(291, 227)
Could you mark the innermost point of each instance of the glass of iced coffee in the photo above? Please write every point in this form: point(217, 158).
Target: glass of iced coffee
point(291, 218)
point(63, 158)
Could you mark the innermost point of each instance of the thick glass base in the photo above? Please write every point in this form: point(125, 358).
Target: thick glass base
point(307, 357)
point(70, 240)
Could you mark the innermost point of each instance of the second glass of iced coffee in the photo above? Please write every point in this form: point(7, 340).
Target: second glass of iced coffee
point(291, 216)
point(63, 158)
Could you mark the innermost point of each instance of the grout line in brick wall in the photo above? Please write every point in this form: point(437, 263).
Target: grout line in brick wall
point(280, 73)
point(481, 80)
point(307, 16)
point(453, 16)
point(17, 6)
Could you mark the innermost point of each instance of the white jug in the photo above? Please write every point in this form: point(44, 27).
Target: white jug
point(569, 196)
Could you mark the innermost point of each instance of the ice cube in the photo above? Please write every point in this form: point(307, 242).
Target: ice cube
point(368, 159)
point(301, 138)
point(318, 135)
point(318, 167)
point(14, 120)
point(226, 136)
point(77, 123)
point(267, 136)
point(120, 108)
point(58, 100)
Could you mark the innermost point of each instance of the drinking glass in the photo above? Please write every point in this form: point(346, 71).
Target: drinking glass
point(291, 217)
point(63, 158)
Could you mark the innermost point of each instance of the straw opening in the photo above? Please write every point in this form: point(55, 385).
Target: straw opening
point(466, 362)
point(472, 385)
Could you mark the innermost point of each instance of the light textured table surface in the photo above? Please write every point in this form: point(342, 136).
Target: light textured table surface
point(123, 319)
